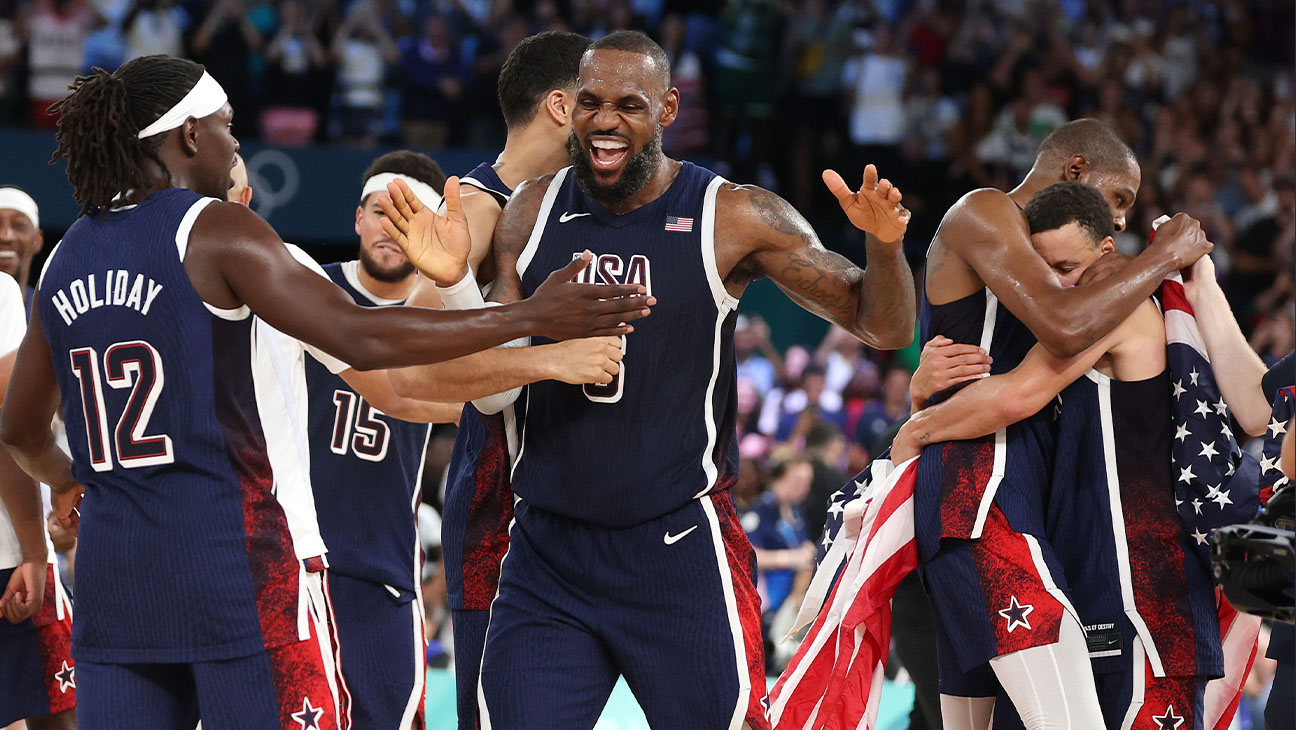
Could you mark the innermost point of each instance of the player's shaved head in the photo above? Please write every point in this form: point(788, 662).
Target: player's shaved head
point(1093, 139)
point(633, 41)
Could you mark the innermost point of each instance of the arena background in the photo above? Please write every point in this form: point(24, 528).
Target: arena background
point(944, 96)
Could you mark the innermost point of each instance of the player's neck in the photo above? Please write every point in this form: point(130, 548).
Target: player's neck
point(1035, 181)
point(662, 178)
point(529, 153)
point(394, 290)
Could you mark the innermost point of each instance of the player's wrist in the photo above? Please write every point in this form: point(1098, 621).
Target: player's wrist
point(462, 274)
point(462, 293)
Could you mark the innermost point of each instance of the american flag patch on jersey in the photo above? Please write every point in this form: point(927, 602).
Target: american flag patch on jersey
point(676, 223)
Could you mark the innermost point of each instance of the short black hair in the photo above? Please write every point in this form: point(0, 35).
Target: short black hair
point(408, 162)
point(1093, 138)
point(1070, 202)
point(636, 42)
point(538, 65)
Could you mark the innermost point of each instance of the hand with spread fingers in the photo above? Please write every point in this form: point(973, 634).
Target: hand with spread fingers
point(875, 208)
point(437, 245)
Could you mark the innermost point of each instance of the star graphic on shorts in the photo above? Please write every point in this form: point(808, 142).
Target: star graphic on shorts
point(1168, 721)
point(1016, 614)
point(66, 676)
point(309, 716)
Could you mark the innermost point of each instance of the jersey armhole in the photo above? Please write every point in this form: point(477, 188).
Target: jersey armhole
point(542, 218)
point(187, 224)
point(40, 280)
point(724, 301)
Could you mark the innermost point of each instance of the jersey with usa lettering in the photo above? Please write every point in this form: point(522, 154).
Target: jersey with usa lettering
point(478, 496)
point(365, 470)
point(662, 432)
point(1113, 526)
point(185, 553)
point(958, 481)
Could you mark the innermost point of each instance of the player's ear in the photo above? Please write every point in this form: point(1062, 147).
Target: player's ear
point(558, 106)
point(189, 136)
point(359, 215)
point(245, 197)
point(1107, 246)
point(670, 107)
point(1077, 167)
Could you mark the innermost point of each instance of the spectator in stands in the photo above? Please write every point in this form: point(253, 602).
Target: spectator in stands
point(875, 79)
point(433, 77)
point(824, 448)
point(689, 134)
point(11, 56)
point(1256, 257)
point(758, 359)
point(56, 33)
point(777, 530)
point(225, 43)
point(752, 483)
point(880, 415)
point(297, 77)
point(813, 397)
point(746, 67)
point(152, 27)
point(363, 50)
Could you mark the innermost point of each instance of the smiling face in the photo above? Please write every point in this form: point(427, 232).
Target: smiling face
point(1070, 250)
point(379, 255)
point(623, 103)
point(19, 242)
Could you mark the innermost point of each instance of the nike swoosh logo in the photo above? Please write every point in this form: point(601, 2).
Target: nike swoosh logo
point(568, 216)
point(672, 539)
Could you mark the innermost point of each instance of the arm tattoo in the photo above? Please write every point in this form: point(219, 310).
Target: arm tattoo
point(512, 231)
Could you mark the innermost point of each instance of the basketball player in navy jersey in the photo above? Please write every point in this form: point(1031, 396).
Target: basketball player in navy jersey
point(144, 322)
point(979, 504)
point(37, 673)
point(537, 93)
point(625, 557)
point(1137, 584)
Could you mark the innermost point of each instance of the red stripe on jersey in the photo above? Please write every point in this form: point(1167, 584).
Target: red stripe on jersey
point(742, 568)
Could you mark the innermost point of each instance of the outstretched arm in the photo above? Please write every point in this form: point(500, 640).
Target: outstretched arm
point(876, 304)
point(988, 233)
point(1238, 369)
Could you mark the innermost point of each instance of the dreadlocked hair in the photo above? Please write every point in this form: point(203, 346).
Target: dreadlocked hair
point(98, 123)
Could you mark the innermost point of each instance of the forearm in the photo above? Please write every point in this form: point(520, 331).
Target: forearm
point(20, 495)
point(1238, 369)
point(419, 411)
point(886, 313)
point(39, 456)
point(395, 337)
point(1070, 320)
point(978, 410)
point(474, 376)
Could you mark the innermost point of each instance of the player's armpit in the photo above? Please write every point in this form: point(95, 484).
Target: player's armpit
point(512, 231)
point(874, 304)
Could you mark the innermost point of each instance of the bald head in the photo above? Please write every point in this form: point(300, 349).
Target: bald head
point(633, 41)
point(1093, 139)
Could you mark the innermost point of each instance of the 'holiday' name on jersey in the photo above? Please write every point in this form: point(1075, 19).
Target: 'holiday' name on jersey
point(119, 290)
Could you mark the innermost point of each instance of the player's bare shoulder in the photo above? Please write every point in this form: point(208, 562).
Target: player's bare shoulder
point(518, 218)
point(985, 213)
point(753, 207)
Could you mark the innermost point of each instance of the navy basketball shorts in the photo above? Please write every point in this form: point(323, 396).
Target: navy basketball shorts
point(291, 687)
point(37, 674)
point(469, 637)
point(383, 652)
point(992, 596)
point(669, 604)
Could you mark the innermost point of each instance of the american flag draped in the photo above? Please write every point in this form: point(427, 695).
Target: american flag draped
point(834, 681)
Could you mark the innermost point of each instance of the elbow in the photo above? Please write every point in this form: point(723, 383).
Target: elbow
point(403, 382)
point(1015, 405)
point(895, 338)
point(1253, 421)
point(1065, 340)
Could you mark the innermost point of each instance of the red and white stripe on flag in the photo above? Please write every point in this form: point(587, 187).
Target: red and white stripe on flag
point(834, 681)
point(679, 224)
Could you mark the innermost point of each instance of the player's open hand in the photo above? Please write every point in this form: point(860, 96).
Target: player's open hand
point(875, 208)
point(565, 310)
point(588, 360)
point(23, 595)
point(437, 245)
point(943, 364)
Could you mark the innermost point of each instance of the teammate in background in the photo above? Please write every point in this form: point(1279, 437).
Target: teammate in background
point(625, 556)
point(1147, 600)
point(537, 94)
point(160, 279)
point(20, 237)
point(37, 674)
point(979, 505)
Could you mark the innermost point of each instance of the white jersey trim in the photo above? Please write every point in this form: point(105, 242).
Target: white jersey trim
point(723, 299)
point(187, 224)
point(546, 205)
point(1001, 436)
point(1118, 522)
point(48, 260)
point(731, 609)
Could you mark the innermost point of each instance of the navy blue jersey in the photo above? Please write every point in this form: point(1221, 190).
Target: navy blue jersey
point(662, 433)
point(478, 496)
point(185, 552)
point(1113, 525)
point(365, 471)
point(958, 481)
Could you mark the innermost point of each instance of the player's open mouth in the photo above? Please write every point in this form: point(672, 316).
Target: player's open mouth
point(607, 154)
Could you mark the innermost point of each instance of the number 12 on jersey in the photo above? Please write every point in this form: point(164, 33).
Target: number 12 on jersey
point(135, 365)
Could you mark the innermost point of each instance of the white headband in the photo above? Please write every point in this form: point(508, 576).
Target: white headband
point(15, 199)
point(204, 98)
point(423, 191)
